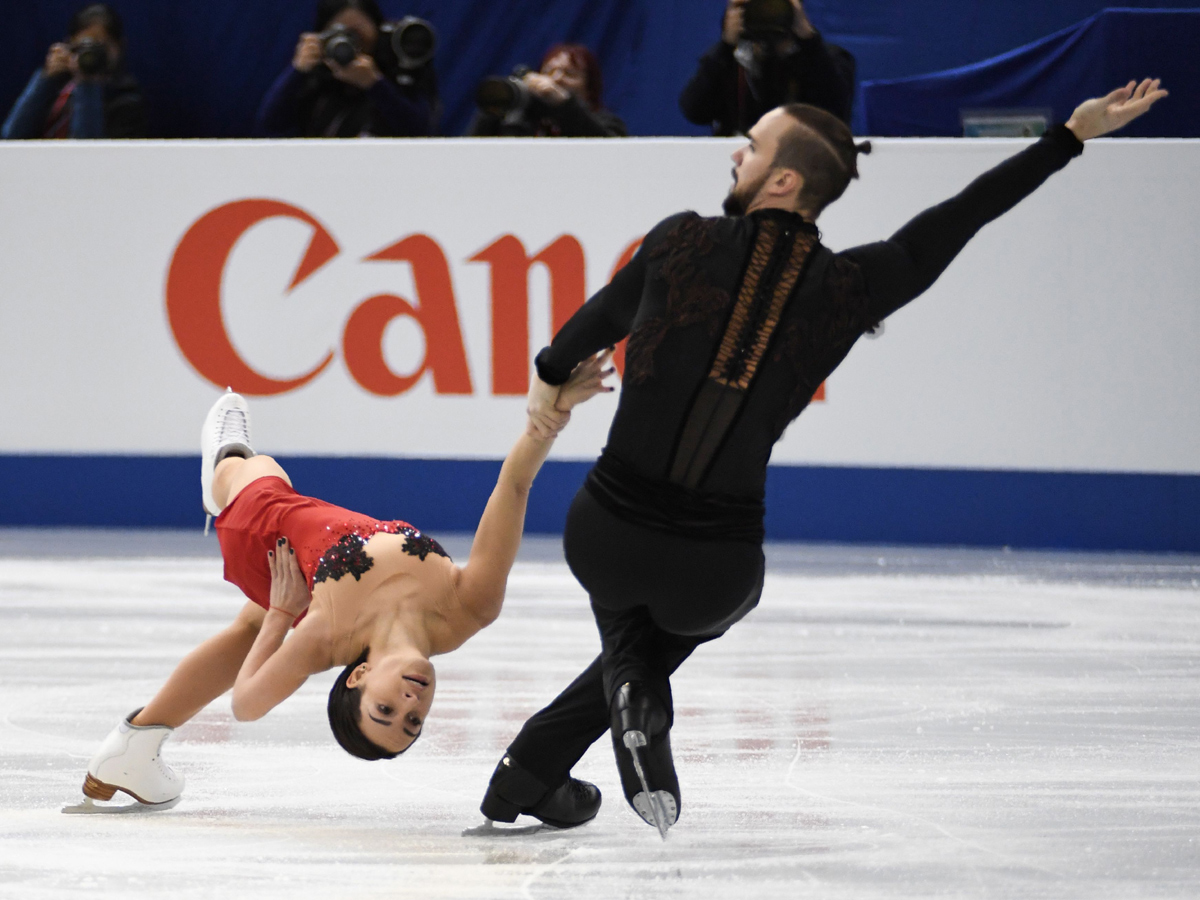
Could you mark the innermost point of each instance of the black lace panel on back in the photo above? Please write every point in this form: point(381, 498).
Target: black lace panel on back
point(777, 259)
point(691, 296)
point(814, 343)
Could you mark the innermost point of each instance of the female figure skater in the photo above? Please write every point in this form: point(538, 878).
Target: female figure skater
point(379, 598)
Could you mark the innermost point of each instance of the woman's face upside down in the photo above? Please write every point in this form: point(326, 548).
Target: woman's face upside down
point(397, 692)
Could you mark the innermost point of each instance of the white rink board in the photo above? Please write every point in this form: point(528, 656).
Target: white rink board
point(1063, 338)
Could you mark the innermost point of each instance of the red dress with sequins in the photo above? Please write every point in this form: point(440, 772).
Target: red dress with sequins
point(328, 539)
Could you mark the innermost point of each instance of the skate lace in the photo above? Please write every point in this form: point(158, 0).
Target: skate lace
point(234, 428)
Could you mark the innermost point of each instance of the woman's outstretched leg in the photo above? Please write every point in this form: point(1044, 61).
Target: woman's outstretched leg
point(233, 473)
point(204, 674)
point(210, 670)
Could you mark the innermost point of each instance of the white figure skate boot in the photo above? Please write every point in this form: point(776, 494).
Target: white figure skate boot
point(129, 761)
point(226, 432)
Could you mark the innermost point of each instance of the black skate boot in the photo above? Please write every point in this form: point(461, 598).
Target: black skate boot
point(514, 791)
point(642, 744)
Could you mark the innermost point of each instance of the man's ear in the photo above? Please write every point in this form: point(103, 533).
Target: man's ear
point(784, 182)
point(354, 679)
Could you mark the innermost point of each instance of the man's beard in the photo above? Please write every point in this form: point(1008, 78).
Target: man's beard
point(740, 197)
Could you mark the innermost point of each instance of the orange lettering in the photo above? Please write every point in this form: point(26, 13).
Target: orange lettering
point(564, 260)
point(194, 292)
point(436, 314)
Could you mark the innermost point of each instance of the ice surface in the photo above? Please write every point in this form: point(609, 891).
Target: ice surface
point(888, 723)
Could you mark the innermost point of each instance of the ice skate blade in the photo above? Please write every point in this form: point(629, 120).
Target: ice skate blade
point(657, 811)
point(666, 808)
point(490, 829)
point(91, 807)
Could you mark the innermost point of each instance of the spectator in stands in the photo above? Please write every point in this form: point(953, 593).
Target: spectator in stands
point(763, 63)
point(560, 100)
point(316, 96)
point(83, 90)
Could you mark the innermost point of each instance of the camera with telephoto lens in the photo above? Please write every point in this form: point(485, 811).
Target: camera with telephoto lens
point(412, 41)
point(91, 56)
point(339, 44)
point(502, 96)
point(766, 20)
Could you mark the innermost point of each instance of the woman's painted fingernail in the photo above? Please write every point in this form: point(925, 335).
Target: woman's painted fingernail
point(270, 553)
point(291, 551)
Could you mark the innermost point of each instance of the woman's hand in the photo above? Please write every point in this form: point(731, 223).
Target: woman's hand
point(289, 589)
point(586, 381)
point(362, 73)
point(1102, 115)
point(58, 60)
point(545, 421)
point(308, 53)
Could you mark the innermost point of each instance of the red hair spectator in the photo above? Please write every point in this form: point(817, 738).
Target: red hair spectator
point(563, 99)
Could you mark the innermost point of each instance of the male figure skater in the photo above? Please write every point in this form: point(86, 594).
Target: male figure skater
point(733, 322)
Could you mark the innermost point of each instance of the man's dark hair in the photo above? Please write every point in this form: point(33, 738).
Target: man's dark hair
point(821, 148)
point(345, 712)
point(98, 14)
point(327, 9)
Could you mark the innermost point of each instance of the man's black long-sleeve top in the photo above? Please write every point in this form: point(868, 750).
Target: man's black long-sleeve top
point(731, 99)
point(734, 322)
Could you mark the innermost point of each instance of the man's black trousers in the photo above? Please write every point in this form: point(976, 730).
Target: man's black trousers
point(656, 596)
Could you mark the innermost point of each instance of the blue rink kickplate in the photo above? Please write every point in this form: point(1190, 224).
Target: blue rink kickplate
point(946, 507)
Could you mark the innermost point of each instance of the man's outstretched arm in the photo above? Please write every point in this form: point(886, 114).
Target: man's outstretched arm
point(901, 268)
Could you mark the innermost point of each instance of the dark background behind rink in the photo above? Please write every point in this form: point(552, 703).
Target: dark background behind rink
point(205, 64)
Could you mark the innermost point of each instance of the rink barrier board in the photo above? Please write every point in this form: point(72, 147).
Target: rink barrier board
point(945, 507)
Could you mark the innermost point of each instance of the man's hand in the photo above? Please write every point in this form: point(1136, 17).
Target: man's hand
point(362, 73)
point(735, 17)
point(545, 422)
point(308, 52)
point(58, 60)
point(289, 589)
point(586, 381)
point(545, 88)
point(1102, 115)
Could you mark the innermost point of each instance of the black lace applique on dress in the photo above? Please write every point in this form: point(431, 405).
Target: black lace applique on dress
point(346, 557)
point(349, 555)
point(420, 545)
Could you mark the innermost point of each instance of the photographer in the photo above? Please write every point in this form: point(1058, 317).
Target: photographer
point(342, 82)
point(82, 91)
point(560, 100)
point(768, 55)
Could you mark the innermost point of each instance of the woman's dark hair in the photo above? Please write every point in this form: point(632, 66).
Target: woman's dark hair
point(327, 9)
point(98, 14)
point(581, 58)
point(345, 712)
point(821, 148)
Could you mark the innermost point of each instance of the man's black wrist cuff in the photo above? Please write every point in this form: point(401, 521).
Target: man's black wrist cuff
point(1065, 138)
point(547, 372)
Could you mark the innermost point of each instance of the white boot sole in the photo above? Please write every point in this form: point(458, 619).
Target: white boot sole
point(94, 790)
